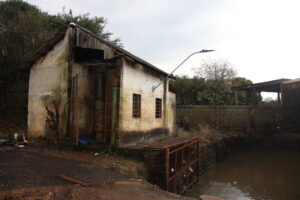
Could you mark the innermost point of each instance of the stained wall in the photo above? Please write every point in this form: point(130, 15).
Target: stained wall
point(48, 85)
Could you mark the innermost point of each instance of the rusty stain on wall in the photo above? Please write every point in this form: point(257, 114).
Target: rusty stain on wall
point(96, 102)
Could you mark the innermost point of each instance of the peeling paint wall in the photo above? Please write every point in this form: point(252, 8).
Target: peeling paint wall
point(171, 110)
point(86, 90)
point(48, 84)
point(137, 79)
point(84, 99)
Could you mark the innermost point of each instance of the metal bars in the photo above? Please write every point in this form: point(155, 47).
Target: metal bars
point(173, 167)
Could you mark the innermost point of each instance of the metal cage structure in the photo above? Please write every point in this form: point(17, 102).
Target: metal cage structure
point(173, 164)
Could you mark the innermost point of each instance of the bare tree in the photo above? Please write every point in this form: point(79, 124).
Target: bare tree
point(218, 75)
point(216, 70)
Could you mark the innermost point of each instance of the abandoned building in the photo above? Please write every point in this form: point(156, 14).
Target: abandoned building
point(82, 86)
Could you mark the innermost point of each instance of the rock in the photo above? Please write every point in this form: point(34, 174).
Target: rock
point(206, 197)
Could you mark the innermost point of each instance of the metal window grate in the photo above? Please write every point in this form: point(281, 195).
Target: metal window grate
point(158, 108)
point(136, 105)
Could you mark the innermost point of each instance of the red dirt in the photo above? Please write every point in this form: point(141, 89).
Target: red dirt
point(132, 191)
point(30, 174)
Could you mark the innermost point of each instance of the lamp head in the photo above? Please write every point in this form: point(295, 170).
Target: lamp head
point(205, 51)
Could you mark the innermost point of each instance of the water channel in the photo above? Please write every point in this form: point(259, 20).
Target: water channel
point(248, 175)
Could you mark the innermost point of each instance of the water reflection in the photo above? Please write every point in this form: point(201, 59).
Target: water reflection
point(253, 176)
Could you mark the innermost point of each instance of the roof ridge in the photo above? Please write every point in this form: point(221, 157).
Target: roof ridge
point(122, 50)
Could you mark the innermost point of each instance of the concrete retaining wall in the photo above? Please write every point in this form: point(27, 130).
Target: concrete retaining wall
point(221, 116)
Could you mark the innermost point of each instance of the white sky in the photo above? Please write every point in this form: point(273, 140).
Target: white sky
point(261, 38)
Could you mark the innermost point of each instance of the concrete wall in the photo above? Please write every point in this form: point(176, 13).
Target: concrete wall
point(222, 116)
point(49, 80)
point(171, 112)
point(137, 79)
point(48, 84)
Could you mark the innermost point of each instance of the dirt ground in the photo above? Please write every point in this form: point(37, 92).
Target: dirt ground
point(132, 190)
point(30, 173)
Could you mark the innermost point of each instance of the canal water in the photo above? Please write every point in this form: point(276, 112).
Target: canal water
point(252, 176)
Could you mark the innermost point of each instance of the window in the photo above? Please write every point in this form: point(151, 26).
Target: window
point(136, 105)
point(157, 108)
point(85, 55)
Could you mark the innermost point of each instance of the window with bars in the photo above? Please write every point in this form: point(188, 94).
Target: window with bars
point(136, 105)
point(157, 108)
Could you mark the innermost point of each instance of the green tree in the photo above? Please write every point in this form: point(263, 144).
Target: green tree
point(218, 75)
point(24, 28)
point(245, 97)
point(95, 24)
point(186, 89)
point(212, 86)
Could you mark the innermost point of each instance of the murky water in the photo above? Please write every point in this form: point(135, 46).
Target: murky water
point(253, 176)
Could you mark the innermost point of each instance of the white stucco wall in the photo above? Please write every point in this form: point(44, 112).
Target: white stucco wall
point(135, 79)
point(47, 83)
point(171, 112)
point(138, 79)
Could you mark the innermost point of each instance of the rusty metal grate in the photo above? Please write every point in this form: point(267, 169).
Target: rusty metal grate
point(173, 164)
point(136, 105)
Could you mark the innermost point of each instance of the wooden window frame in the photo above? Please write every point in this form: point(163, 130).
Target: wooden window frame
point(158, 108)
point(136, 106)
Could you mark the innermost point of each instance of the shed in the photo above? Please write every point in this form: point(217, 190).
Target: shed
point(82, 86)
point(267, 86)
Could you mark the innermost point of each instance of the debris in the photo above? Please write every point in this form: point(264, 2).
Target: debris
point(16, 136)
point(3, 141)
point(105, 166)
point(125, 183)
point(96, 154)
point(83, 140)
point(19, 139)
point(21, 146)
point(72, 180)
point(206, 197)
point(136, 179)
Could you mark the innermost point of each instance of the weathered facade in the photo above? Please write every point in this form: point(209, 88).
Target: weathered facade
point(291, 94)
point(99, 91)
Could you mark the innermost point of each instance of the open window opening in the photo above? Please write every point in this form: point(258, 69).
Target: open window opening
point(86, 55)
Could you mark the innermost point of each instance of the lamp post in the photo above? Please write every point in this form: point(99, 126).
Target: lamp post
point(202, 51)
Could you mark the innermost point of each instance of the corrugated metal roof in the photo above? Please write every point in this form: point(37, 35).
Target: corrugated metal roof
point(292, 81)
point(268, 86)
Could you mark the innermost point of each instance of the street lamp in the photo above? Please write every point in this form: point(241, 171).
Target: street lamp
point(202, 51)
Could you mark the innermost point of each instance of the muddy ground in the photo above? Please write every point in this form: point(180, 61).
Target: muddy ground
point(31, 173)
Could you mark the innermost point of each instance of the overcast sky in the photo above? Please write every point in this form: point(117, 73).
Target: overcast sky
point(261, 38)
